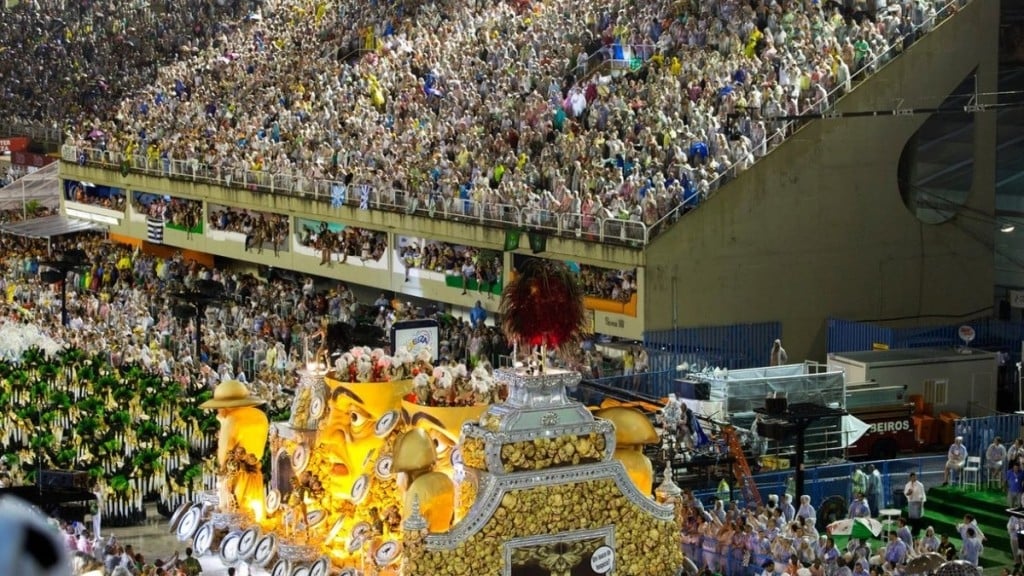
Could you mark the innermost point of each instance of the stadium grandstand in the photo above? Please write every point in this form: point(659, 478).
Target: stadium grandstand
point(739, 158)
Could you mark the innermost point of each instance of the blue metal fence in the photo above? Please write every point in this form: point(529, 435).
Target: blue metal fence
point(978, 433)
point(650, 384)
point(851, 336)
point(990, 334)
point(734, 346)
point(824, 482)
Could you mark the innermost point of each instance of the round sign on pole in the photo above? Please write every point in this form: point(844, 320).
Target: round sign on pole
point(967, 334)
point(602, 560)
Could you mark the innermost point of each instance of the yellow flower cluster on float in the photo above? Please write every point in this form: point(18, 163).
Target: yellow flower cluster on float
point(473, 454)
point(538, 453)
point(542, 453)
point(644, 545)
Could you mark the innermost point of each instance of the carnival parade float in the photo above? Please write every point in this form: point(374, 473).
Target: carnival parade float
point(390, 464)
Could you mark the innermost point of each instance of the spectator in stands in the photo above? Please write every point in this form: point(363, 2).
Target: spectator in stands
point(956, 457)
point(995, 459)
point(1014, 526)
point(895, 551)
point(478, 315)
point(806, 510)
point(858, 481)
point(415, 120)
point(903, 532)
point(1015, 451)
point(946, 548)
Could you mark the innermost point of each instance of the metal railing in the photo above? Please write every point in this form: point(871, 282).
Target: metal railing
point(979, 432)
point(49, 136)
point(575, 225)
point(364, 195)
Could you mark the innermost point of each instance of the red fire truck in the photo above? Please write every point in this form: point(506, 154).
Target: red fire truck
point(891, 419)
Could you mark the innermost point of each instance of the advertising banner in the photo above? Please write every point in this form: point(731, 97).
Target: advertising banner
point(416, 335)
point(13, 144)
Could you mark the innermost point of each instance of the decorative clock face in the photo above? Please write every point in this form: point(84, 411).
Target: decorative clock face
point(361, 530)
point(387, 423)
point(273, 501)
point(387, 553)
point(229, 548)
point(203, 539)
point(280, 569)
point(320, 567)
point(265, 549)
point(457, 458)
point(178, 514)
point(247, 541)
point(315, 517)
point(360, 488)
point(383, 467)
point(316, 407)
point(300, 458)
point(301, 571)
point(189, 523)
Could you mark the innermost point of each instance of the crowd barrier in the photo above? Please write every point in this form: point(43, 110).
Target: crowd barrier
point(979, 432)
point(362, 195)
point(606, 230)
point(990, 333)
point(823, 482)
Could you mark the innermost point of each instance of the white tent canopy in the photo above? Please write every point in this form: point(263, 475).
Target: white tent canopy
point(47, 226)
point(41, 186)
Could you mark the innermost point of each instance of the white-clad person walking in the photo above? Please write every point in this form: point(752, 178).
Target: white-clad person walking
point(915, 493)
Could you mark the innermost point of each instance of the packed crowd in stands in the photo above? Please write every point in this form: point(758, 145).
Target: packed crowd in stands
point(362, 243)
point(183, 213)
point(119, 303)
point(476, 102)
point(608, 284)
point(68, 61)
point(113, 199)
point(473, 265)
point(260, 228)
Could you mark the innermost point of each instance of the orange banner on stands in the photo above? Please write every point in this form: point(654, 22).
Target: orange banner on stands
point(627, 308)
point(162, 251)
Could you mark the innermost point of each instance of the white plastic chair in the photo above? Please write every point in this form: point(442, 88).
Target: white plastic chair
point(970, 474)
point(994, 475)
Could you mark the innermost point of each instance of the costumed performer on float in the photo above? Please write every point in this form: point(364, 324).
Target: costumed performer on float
point(240, 445)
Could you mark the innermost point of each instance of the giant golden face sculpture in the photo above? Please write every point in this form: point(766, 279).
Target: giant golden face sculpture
point(443, 425)
point(362, 415)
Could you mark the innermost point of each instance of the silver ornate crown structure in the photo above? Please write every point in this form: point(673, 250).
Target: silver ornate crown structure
point(537, 408)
